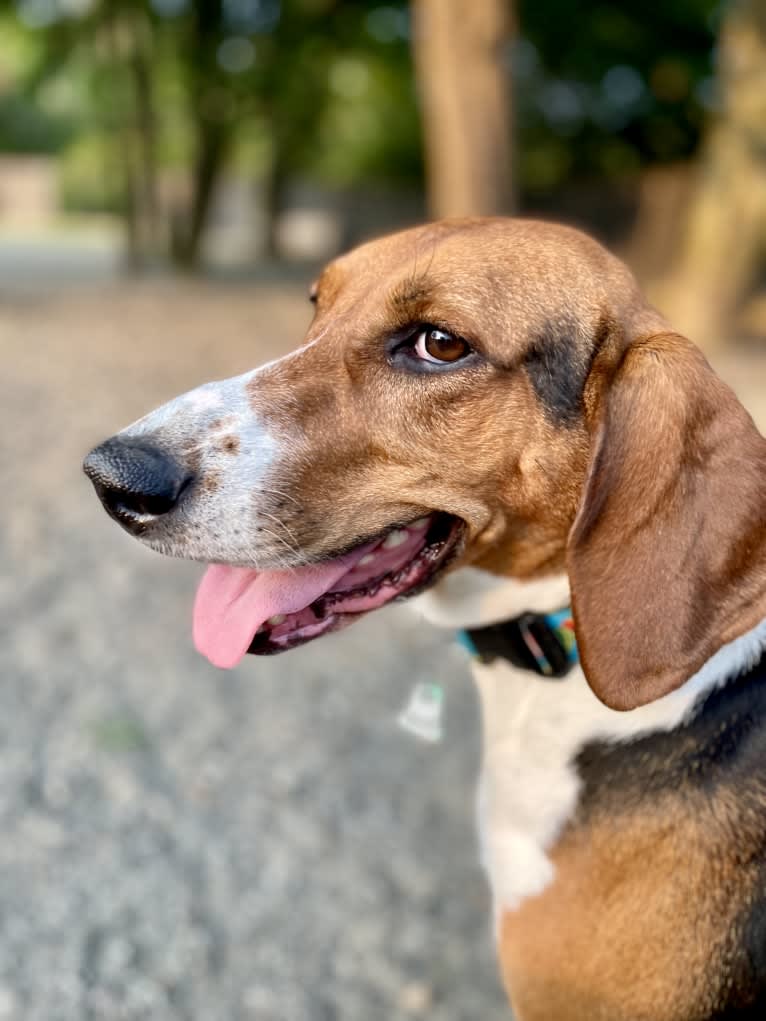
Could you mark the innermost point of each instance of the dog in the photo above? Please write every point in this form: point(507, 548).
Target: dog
point(488, 415)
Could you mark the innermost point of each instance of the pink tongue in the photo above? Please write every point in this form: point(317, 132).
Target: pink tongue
point(233, 602)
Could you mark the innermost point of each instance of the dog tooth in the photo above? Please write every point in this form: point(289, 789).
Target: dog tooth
point(367, 559)
point(395, 538)
point(278, 618)
point(420, 523)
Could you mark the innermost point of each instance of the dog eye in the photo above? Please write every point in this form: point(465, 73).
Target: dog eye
point(434, 345)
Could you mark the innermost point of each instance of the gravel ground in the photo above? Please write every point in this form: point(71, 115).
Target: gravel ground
point(181, 842)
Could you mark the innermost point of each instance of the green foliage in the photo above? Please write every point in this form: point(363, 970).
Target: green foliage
point(603, 89)
point(87, 178)
point(249, 66)
point(26, 126)
point(324, 88)
point(370, 127)
point(118, 735)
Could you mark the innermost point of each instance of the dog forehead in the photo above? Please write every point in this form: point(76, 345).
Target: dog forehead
point(496, 264)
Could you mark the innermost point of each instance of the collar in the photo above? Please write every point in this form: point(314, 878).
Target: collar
point(543, 643)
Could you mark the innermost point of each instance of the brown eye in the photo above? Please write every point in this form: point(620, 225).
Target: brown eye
point(434, 345)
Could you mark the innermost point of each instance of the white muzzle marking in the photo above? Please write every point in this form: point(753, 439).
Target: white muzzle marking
point(230, 512)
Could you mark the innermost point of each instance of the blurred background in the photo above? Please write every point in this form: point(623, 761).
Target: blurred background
point(180, 843)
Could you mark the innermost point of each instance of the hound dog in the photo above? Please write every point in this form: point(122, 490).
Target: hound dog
point(489, 413)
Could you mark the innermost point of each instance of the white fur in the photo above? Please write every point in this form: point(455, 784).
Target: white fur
point(237, 520)
point(534, 728)
point(233, 520)
point(472, 598)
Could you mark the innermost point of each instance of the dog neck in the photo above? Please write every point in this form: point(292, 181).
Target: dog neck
point(472, 598)
point(535, 728)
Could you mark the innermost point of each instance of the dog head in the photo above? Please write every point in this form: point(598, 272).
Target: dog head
point(485, 392)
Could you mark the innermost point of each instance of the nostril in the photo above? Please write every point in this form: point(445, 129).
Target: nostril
point(134, 478)
point(142, 503)
point(145, 504)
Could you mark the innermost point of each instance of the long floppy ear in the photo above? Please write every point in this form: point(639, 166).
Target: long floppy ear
point(667, 555)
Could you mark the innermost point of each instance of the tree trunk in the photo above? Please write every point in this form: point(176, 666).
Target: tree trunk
point(213, 141)
point(213, 125)
point(148, 217)
point(725, 225)
point(462, 61)
point(273, 191)
point(124, 152)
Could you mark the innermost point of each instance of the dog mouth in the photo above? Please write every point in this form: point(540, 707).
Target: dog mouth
point(238, 610)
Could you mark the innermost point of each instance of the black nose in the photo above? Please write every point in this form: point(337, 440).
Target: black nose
point(132, 478)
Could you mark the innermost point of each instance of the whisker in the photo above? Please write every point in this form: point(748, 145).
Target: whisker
point(280, 493)
point(288, 530)
point(282, 564)
point(294, 550)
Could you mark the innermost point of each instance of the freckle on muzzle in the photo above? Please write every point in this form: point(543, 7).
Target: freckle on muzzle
point(136, 481)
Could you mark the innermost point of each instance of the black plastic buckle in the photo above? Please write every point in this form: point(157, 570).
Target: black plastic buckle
point(528, 642)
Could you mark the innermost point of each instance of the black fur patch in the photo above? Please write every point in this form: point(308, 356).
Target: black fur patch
point(721, 748)
point(719, 754)
point(557, 369)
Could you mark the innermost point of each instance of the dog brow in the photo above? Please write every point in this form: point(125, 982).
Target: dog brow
point(409, 297)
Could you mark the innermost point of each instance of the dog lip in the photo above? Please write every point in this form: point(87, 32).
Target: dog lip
point(327, 620)
point(376, 537)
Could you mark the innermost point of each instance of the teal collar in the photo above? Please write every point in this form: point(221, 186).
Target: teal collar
point(543, 643)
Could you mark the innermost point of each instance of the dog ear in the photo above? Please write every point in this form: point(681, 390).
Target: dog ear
point(667, 554)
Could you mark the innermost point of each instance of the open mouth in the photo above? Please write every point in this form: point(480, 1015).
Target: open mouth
point(239, 610)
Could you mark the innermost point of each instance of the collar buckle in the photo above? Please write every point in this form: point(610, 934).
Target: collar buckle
point(543, 643)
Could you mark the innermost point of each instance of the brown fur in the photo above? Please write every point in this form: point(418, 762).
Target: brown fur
point(661, 470)
point(623, 932)
point(653, 495)
point(583, 434)
point(673, 520)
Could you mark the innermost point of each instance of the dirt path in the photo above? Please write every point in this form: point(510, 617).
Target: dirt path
point(180, 842)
